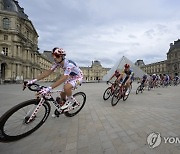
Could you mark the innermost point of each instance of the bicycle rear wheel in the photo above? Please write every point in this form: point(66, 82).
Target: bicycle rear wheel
point(14, 123)
point(149, 87)
point(81, 99)
point(107, 93)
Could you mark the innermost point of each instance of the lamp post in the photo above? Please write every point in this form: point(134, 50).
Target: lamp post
point(0, 76)
point(88, 74)
point(13, 77)
point(2, 53)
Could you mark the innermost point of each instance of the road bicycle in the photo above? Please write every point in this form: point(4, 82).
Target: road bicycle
point(26, 117)
point(110, 90)
point(120, 92)
point(140, 88)
point(176, 82)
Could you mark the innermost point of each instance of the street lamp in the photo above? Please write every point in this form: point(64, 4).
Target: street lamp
point(0, 75)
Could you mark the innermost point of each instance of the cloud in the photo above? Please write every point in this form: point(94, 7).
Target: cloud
point(106, 30)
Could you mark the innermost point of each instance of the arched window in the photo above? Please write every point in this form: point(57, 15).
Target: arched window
point(175, 67)
point(6, 23)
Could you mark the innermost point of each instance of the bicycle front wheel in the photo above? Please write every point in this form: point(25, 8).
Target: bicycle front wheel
point(116, 97)
point(14, 123)
point(81, 99)
point(107, 93)
point(138, 89)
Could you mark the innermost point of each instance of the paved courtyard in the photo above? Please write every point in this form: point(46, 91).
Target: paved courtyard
point(100, 128)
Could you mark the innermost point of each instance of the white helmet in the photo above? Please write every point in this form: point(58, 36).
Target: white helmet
point(59, 51)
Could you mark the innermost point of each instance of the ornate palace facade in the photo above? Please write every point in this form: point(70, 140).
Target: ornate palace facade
point(95, 72)
point(169, 66)
point(19, 55)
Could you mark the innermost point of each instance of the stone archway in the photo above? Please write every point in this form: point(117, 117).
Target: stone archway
point(3, 71)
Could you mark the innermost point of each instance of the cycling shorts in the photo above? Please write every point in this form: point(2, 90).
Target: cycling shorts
point(74, 81)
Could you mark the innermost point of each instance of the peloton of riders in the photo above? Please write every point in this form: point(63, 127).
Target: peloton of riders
point(156, 80)
point(127, 80)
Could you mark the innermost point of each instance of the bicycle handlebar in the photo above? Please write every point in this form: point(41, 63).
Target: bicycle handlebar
point(109, 82)
point(33, 87)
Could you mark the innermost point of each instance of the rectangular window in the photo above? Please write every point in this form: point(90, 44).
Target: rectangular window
point(5, 37)
point(5, 51)
point(6, 23)
point(27, 34)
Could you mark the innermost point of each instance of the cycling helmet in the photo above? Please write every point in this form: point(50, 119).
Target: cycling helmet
point(117, 71)
point(58, 51)
point(126, 65)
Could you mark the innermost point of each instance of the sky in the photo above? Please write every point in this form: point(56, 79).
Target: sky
point(106, 30)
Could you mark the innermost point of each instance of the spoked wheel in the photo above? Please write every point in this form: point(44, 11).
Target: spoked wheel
point(107, 93)
point(125, 96)
point(142, 89)
point(149, 87)
point(130, 88)
point(14, 123)
point(116, 97)
point(81, 99)
point(138, 89)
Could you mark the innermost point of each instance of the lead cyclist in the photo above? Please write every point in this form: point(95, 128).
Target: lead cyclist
point(128, 79)
point(72, 77)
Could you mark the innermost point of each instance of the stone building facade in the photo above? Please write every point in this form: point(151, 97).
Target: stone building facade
point(170, 66)
point(20, 58)
point(173, 58)
point(19, 55)
point(95, 72)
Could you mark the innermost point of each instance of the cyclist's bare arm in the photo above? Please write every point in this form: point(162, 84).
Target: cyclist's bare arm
point(44, 74)
point(111, 77)
point(119, 78)
point(59, 81)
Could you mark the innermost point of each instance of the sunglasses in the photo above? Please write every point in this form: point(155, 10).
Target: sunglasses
point(56, 55)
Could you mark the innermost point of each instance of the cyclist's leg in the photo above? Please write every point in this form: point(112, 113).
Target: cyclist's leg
point(128, 84)
point(67, 89)
point(125, 83)
point(61, 100)
point(69, 85)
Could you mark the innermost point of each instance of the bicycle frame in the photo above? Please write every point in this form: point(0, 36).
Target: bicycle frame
point(32, 113)
point(113, 86)
point(122, 89)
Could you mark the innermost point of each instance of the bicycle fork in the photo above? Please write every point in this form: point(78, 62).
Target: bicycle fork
point(32, 112)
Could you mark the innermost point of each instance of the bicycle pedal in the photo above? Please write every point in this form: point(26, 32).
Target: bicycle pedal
point(56, 113)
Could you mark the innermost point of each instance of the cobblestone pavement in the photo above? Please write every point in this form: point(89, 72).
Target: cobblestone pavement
point(100, 128)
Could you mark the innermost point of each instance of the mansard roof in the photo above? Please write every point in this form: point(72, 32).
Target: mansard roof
point(13, 6)
point(48, 54)
point(176, 45)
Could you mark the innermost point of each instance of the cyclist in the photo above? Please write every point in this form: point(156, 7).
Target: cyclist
point(166, 79)
point(154, 77)
point(119, 77)
point(176, 78)
point(144, 80)
point(72, 77)
point(158, 79)
point(128, 79)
